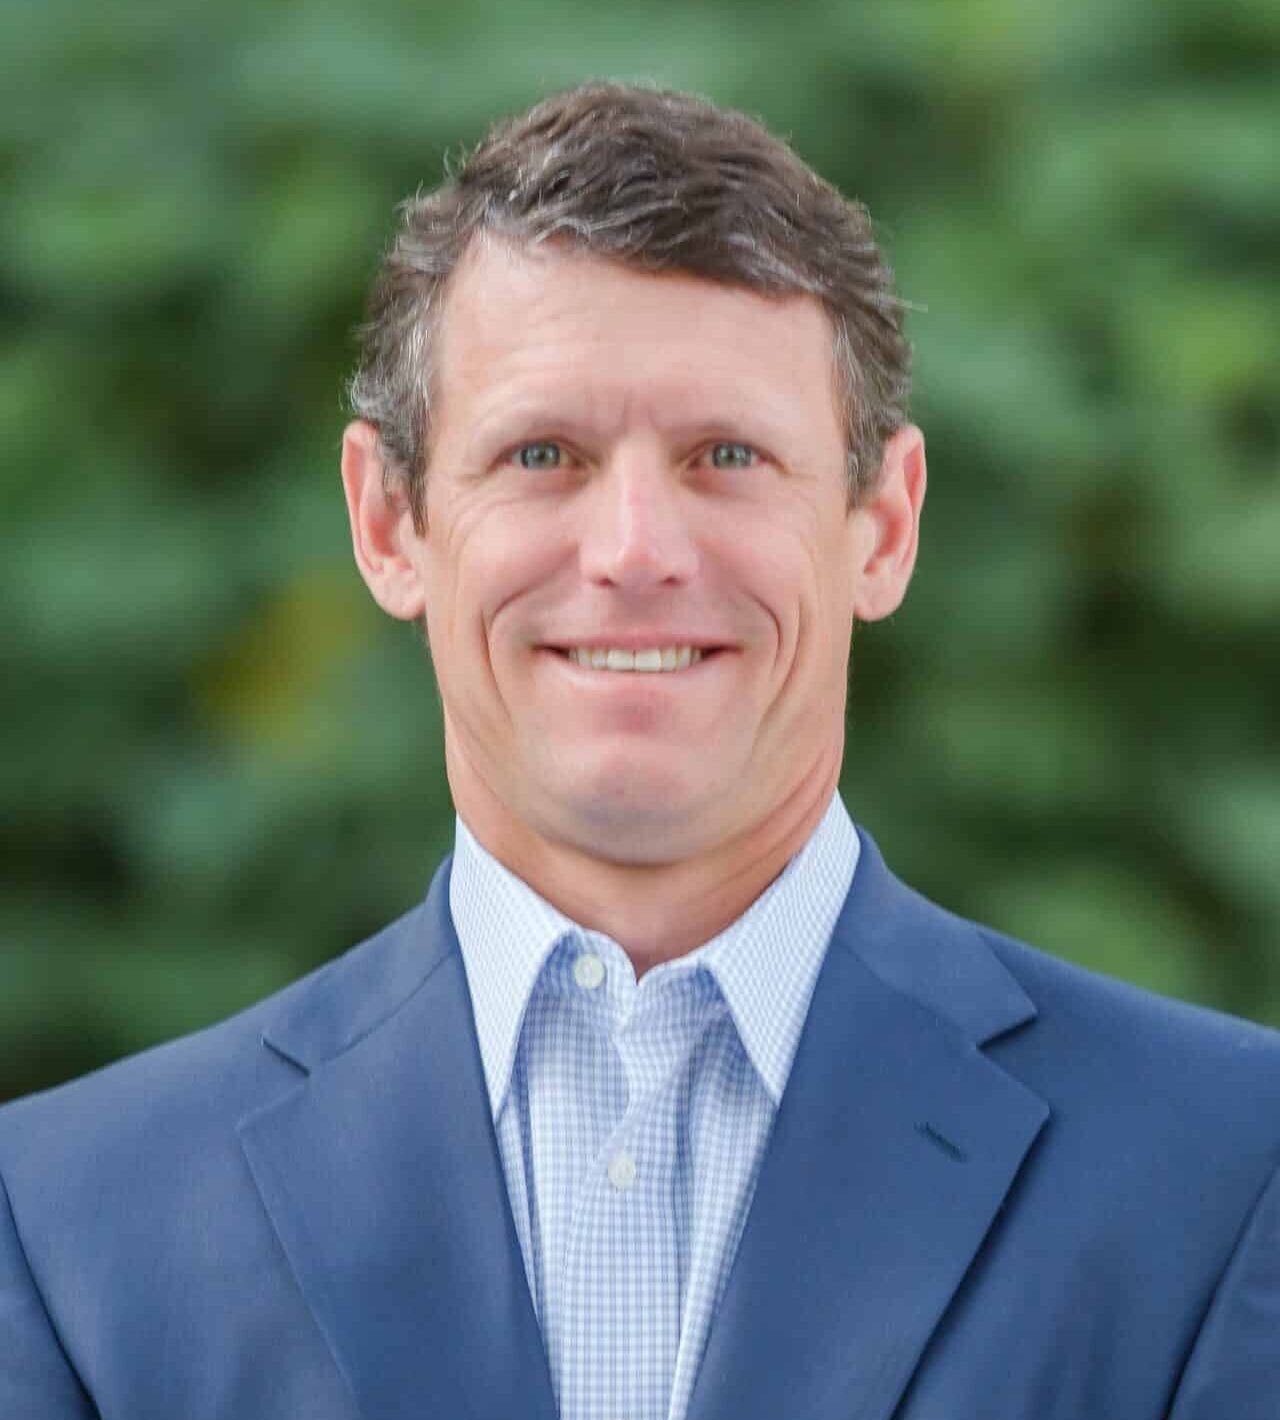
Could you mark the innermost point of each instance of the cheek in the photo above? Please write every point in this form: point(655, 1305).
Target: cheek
point(505, 580)
point(783, 579)
point(809, 595)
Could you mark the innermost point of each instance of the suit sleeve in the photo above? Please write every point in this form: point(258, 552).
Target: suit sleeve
point(1234, 1367)
point(36, 1379)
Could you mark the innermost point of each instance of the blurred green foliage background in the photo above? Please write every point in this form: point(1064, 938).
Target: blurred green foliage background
point(222, 766)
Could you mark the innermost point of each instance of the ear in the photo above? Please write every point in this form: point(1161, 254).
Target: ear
point(382, 533)
point(886, 528)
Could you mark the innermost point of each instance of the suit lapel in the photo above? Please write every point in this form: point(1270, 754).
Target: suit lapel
point(381, 1175)
point(894, 1148)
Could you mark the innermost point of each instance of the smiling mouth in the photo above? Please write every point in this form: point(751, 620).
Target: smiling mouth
point(650, 660)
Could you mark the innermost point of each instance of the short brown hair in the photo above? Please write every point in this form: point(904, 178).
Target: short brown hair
point(660, 181)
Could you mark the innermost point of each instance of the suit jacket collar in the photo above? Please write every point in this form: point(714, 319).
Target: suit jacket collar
point(894, 1147)
point(380, 1172)
point(940, 961)
point(893, 1151)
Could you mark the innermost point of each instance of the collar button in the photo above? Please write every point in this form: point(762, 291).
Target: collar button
point(588, 971)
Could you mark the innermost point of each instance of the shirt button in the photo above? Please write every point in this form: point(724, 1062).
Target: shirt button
point(622, 1171)
point(588, 971)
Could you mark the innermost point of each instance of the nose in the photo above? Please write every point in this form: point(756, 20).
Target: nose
point(637, 532)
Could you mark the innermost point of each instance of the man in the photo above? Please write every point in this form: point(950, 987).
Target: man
point(669, 1101)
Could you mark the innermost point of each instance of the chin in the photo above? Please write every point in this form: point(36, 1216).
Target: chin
point(631, 822)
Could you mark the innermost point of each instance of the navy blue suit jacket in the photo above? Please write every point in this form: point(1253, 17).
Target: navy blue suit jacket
point(998, 1188)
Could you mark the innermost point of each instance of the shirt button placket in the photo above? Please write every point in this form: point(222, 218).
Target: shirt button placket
point(622, 1170)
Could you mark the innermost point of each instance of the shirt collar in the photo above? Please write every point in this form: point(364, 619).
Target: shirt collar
point(765, 963)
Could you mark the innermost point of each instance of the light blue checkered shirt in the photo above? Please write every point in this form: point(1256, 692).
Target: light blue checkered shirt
point(632, 1117)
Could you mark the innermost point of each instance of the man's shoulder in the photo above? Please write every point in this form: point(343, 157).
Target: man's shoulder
point(1073, 997)
point(1123, 1071)
point(956, 966)
point(1131, 1059)
point(204, 1082)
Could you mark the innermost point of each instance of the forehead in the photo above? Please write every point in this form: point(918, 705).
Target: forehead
point(524, 322)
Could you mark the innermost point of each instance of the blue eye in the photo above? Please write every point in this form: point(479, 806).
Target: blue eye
point(543, 455)
point(732, 455)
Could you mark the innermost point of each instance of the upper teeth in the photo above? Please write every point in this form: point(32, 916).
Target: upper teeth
point(666, 658)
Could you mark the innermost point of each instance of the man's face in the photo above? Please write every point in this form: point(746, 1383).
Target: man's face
point(642, 463)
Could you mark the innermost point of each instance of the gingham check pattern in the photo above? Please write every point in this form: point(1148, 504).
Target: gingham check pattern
point(632, 1117)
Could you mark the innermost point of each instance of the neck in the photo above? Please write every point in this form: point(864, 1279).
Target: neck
point(654, 911)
